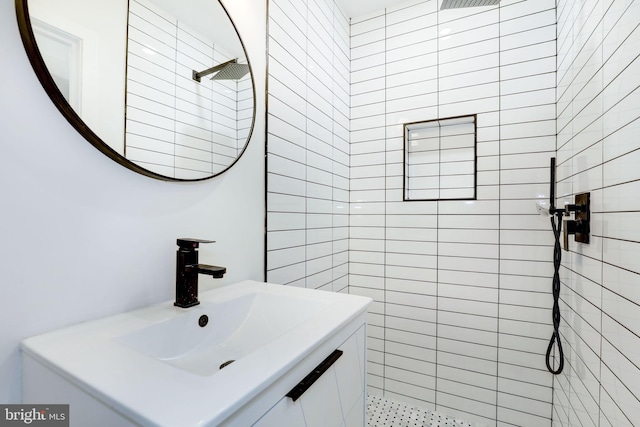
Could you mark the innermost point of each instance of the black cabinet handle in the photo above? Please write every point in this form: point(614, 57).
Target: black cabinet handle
point(313, 376)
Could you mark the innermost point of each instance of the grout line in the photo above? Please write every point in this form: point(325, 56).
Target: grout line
point(437, 278)
point(384, 272)
point(265, 271)
point(497, 383)
point(602, 181)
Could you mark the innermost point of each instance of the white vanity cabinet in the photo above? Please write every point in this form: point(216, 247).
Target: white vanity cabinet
point(160, 367)
point(336, 399)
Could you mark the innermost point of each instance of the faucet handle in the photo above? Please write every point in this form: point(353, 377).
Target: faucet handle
point(191, 243)
point(212, 270)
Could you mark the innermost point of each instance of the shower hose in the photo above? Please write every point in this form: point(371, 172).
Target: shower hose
point(557, 257)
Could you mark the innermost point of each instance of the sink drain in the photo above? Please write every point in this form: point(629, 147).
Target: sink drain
point(228, 362)
point(203, 320)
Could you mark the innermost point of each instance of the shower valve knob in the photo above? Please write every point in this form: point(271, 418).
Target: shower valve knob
point(574, 208)
point(580, 227)
point(569, 228)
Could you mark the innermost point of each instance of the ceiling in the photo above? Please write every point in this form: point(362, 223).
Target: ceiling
point(207, 18)
point(356, 8)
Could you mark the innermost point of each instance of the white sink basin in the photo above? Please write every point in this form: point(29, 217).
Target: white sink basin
point(235, 327)
point(157, 367)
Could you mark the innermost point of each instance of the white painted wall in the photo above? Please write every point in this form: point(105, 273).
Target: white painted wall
point(84, 237)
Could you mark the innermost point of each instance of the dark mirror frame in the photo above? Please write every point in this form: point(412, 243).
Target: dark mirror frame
point(42, 72)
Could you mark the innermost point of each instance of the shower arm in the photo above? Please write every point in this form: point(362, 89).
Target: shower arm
point(198, 75)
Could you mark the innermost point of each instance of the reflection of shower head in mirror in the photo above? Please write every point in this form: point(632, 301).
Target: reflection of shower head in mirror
point(124, 54)
point(229, 70)
point(455, 4)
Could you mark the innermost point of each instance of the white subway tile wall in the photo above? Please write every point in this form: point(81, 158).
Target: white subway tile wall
point(308, 145)
point(461, 317)
point(176, 126)
point(598, 105)
point(462, 293)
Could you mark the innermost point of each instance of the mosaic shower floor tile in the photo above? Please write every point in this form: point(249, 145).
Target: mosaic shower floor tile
point(383, 412)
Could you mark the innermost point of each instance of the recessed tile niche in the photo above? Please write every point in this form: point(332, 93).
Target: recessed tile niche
point(440, 159)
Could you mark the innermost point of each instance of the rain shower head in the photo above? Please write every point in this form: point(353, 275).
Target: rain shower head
point(233, 71)
point(455, 4)
point(229, 70)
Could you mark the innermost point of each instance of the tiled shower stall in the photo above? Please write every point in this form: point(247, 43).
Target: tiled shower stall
point(462, 288)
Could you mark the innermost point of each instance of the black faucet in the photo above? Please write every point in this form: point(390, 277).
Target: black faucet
point(187, 270)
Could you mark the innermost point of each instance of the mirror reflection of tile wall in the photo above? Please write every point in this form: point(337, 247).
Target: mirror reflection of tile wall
point(176, 126)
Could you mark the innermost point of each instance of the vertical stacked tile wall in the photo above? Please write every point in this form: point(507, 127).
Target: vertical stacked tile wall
point(598, 105)
point(308, 144)
point(462, 290)
point(173, 122)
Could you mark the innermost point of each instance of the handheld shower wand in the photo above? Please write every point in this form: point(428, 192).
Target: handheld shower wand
point(580, 228)
point(557, 258)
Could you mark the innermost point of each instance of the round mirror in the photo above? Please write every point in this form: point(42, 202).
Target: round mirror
point(163, 87)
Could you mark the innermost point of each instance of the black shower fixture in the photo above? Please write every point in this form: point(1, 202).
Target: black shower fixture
point(230, 70)
point(456, 4)
point(580, 228)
